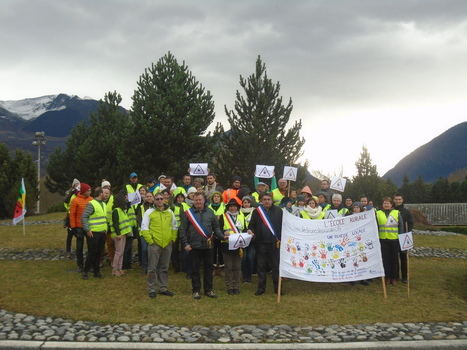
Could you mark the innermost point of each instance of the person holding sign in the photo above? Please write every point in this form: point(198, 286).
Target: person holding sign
point(266, 226)
point(232, 221)
point(408, 226)
point(280, 192)
point(198, 227)
point(390, 225)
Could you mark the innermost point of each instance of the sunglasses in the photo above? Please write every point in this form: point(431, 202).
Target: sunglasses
point(158, 199)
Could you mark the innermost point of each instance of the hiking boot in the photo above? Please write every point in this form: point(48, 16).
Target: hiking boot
point(211, 294)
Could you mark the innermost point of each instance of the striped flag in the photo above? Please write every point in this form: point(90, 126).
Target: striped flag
point(20, 209)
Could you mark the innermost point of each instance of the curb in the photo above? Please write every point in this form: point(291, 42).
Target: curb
point(399, 345)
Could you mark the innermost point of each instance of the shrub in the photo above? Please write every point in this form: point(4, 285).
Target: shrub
point(56, 208)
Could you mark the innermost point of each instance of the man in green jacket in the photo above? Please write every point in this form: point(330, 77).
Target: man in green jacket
point(159, 229)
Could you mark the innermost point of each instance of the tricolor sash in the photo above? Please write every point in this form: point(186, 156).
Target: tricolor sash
point(266, 220)
point(197, 224)
point(231, 223)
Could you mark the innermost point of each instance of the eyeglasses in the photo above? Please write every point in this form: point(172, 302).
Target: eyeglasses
point(158, 199)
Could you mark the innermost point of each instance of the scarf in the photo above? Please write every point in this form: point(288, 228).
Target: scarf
point(313, 212)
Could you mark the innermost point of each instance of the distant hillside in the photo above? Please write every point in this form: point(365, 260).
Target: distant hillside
point(56, 115)
point(438, 158)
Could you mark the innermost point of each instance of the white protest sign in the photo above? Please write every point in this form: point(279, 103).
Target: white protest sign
point(338, 183)
point(336, 250)
point(264, 171)
point(406, 240)
point(163, 187)
point(239, 240)
point(134, 198)
point(331, 214)
point(290, 173)
point(199, 169)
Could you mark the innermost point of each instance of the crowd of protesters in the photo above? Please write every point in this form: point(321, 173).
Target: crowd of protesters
point(189, 226)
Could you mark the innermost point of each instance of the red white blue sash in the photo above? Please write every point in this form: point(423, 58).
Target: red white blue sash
point(266, 220)
point(196, 223)
point(231, 223)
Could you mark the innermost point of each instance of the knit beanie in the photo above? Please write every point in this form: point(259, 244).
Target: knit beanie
point(236, 178)
point(84, 187)
point(75, 182)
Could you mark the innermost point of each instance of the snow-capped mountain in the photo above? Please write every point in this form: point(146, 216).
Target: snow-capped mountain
point(31, 108)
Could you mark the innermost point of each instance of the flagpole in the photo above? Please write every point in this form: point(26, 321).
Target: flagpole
point(24, 226)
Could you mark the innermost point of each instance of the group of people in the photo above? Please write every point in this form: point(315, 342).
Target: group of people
point(190, 225)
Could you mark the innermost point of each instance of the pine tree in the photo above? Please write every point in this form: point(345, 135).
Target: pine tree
point(258, 132)
point(367, 180)
point(170, 114)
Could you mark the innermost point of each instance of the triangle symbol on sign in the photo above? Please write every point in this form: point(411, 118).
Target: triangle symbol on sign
point(198, 170)
point(290, 174)
point(264, 173)
point(331, 215)
point(338, 185)
point(407, 242)
point(240, 243)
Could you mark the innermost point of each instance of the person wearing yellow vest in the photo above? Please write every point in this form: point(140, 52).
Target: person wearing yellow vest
point(108, 236)
point(248, 258)
point(280, 192)
point(94, 221)
point(159, 229)
point(390, 225)
point(312, 210)
point(218, 207)
point(177, 254)
point(232, 221)
point(120, 228)
point(323, 201)
point(132, 187)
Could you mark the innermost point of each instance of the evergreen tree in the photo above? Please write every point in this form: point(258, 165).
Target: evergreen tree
point(258, 132)
point(13, 170)
point(93, 151)
point(420, 191)
point(441, 191)
point(171, 112)
point(367, 180)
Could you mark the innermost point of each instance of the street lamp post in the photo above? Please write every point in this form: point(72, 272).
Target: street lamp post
point(39, 139)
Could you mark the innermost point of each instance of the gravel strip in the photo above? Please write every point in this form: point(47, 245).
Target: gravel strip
point(17, 326)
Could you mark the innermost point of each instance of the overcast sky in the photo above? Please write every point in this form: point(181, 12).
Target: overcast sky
point(390, 75)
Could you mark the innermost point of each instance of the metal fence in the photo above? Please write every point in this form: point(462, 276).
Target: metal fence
point(444, 213)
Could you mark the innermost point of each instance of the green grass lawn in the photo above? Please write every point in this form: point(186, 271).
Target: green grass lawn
point(438, 292)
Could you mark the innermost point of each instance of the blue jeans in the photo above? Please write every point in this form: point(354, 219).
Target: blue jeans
point(248, 261)
point(144, 254)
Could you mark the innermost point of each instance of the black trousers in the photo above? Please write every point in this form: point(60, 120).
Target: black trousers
point(96, 245)
point(196, 256)
point(79, 234)
point(390, 253)
point(267, 254)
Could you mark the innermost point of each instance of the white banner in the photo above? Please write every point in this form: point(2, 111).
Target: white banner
point(239, 240)
point(336, 250)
